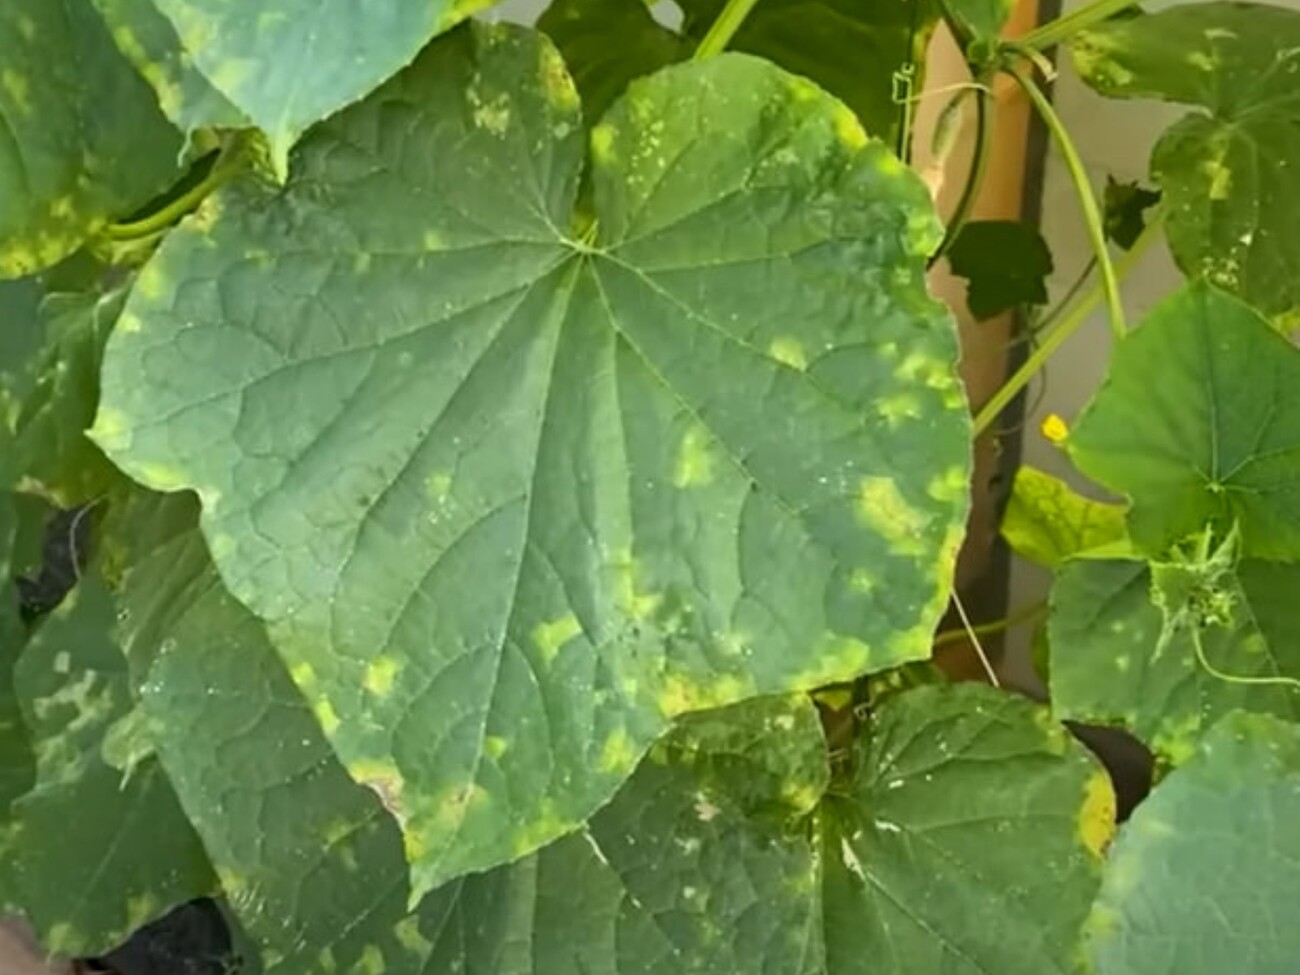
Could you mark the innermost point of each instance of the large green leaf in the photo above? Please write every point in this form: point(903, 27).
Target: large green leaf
point(1047, 521)
point(571, 474)
point(967, 843)
point(1228, 173)
point(850, 48)
point(711, 858)
point(83, 139)
point(98, 849)
point(310, 863)
point(1203, 879)
point(287, 64)
point(150, 42)
point(1125, 650)
point(1197, 422)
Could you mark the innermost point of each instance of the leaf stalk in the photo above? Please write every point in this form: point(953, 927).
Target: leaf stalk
point(724, 28)
point(227, 164)
point(1063, 28)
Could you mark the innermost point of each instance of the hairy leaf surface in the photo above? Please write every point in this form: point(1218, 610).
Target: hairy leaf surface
point(1228, 173)
point(516, 481)
point(84, 140)
point(1203, 876)
point(1196, 423)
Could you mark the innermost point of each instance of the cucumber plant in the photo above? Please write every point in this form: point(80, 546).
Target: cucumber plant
point(512, 478)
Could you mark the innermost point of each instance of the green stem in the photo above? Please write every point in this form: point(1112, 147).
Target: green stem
point(1022, 615)
point(226, 165)
point(724, 28)
point(974, 176)
point(1087, 201)
point(1052, 339)
point(1063, 28)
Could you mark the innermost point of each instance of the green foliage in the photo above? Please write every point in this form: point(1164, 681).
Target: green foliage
point(564, 469)
point(518, 404)
point(1227, 172)
point(1196, 426)
point(74, 115)
point(1005, 264)
point(853, 50)
point(1215, 841)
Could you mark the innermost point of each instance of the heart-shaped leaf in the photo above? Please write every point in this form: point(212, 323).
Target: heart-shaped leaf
point(572, 468)
point(1196, 424)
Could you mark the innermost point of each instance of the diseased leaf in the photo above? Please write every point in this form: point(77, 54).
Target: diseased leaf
point(51, 448)
point(85, 141)
point(97, 850)
point(708, 860)
point(1047, 521)
point(571, 474)
point(1117, 658)
point(1005, 264)
point(1203, 878)
point(607, 43)
point(1196, 424)
point(1226, 172)
point(287, 64)
point(311, 864)
point(849, 48)
point(1125, 206)
point(149, 41)
point(17, 766)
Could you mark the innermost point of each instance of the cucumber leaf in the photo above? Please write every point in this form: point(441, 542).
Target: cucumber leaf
point(1227, 171)
point(574, 468)
point(1046, 521)
point(1005, 264)
point(1196, 424)
point(1202, 878)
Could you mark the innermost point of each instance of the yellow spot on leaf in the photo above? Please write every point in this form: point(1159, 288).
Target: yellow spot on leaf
point(18, 88)
point(438, 487)
point(150, 281)
point(325, 716)
point(548, 826)
point(380, 674)
point(382, 778)
point(141, 909)
point(432, 241)
point(848, 128)
point(682, 695)
point(304, 675)
point(602, 145)
point(361, 262)
point(327, 962)
point(561, 93)
point(862, 581)
point(1219, 177)
point(801, 797)
point(950, 486)
point(694, 463)
point(550, 638)
point(883, 509)
point(371, 961)
point(637, 604)
point(110, 429)
point(788, 352)
point(161, 477)
point(408, 934)
point(495, 746)
point(1097, 816)
point(618, 753)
